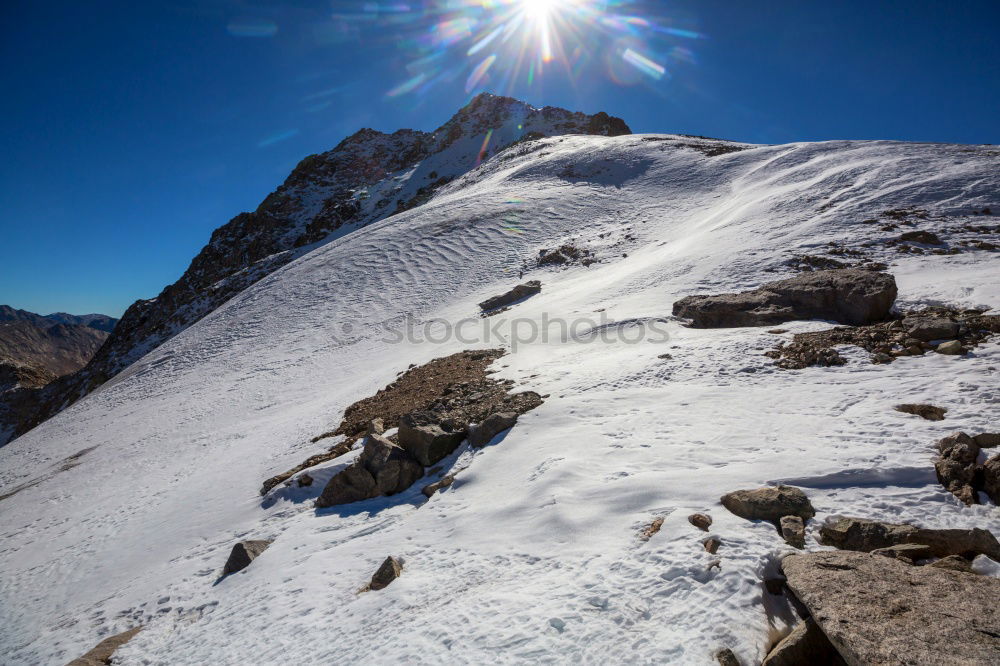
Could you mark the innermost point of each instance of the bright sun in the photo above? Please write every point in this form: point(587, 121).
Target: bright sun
point(538, 10)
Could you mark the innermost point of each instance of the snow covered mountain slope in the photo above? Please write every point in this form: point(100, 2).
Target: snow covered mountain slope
point(367, 177)
point(126, 505)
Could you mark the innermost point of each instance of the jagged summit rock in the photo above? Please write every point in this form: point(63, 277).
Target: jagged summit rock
point(367, 177)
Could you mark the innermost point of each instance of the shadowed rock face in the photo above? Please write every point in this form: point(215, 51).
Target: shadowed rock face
point(848, 296)
point(243, 554)
point(872, 609)
point(383, 468)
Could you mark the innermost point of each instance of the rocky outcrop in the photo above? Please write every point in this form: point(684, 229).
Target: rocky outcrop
point(956, 466)
point(429, 438)
point(243, 554)
point(879, 610)
point(849, 296)
point(726, 657)
point(49, 348)
point(806, 645)
point(480, 434)
point(102, 653)
point(770, 503)
point(325, 193)
point(929, 412)
point(516, 294)
point(390, 570)
point(383, 468)
point(867, 535)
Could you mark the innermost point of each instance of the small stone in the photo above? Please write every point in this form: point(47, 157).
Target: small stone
point(376, 427)
point(950, 348)
point(793, 530)
point(725, 657)
point(929, 412)
point(652, 529)
point(432, 488)
point(304, 481)
point(243, 553)
point(701, 521)
point(388, 572)
point(711, 544)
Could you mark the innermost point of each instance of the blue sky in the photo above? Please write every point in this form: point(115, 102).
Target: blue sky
point(130, 130)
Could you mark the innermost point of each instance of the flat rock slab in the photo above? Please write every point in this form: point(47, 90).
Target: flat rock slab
point(878, 610)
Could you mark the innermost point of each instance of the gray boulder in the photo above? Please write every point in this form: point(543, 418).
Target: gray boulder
point(426, 439)
point(950, 348)
point(956, 466)
point(930, 328)
point(770, 503)
point(383, 468)
point(517, 293)
point(868, 535)
point(101, 654)
point(849, 296)
point(388, 572)
point(807, 644)
point(793, 530)
point(879, 610)
point(243, 554)
point(494, 424)
point(726, 657)
point(987, 440)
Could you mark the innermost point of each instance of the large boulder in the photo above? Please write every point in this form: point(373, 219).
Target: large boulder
point(770, 503)
point(383, 468)
point(931, 327)
point(879, 610)
point(101, 654)
point(807, 644)
point(243, 554)
point(519, 292)
point(956, 466)
point(850, 296)
point(494, 424)
point(863, 535)
point(428, 439)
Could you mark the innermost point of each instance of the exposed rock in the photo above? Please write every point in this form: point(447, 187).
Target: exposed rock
point(701, 521)
point(991, 478)
point(711, 544)
point(304, 481)
point(334, 452)
point(909, 552)
point(651, 529)
point(987, 440)
point(873, 609)
point(850, 296)
point(770, 503)
point(925, 237)
point(565, 254)
point(868, 535)
point(954, 563)
point(383, 468)
point(388, 572)
point(950, 348)
point(929, 412)
point(806, 645)
point(931, 328)
point(956, 466)
point(243, 554)
point(428, 438)
point(725, 657)
point(793, 531)
point(481, 434)
point(376, 427)
point(444, 482)
point(101, 654)
point(519, 292)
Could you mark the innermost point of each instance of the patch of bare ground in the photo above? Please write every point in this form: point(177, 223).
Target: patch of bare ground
point(887, 341)
point(456, 387)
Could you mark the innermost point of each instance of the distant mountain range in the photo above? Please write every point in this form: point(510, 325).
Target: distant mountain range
point(37, 349)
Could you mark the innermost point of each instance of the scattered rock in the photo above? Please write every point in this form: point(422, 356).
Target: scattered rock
point(793, 530)
point(388, 572)
point(873, 608)
point(807, 644)
point(925, 237)
point(770, 503)
point(101, 654)
point(711, 544)
point(956, 466)
point(927, 328)
point(868, 535)
point(651, 529)
point(951, 348)
point(725, 657)
point(987, 440)
point(701, 521)
point(243, 554)
point(428, 438)
point(565, 254)
point(953, 563)
point(444, 482)
point(518, 293)
point(481, 434)
point(383, 468)
point(850, 296)
point(929, 412)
